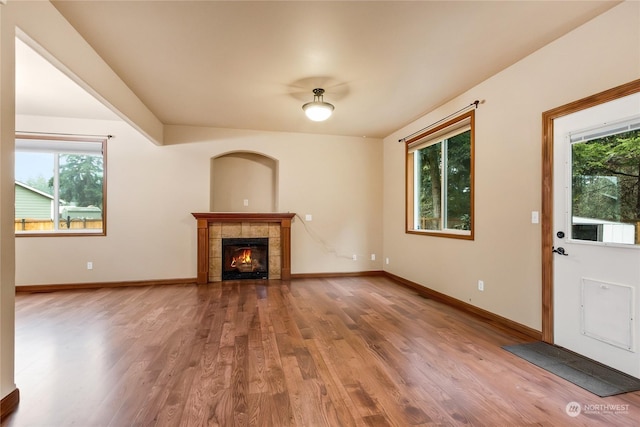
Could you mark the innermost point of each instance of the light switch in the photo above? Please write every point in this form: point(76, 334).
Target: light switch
point(535, 217)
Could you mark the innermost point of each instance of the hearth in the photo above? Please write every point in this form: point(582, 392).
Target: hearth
point(245, 258)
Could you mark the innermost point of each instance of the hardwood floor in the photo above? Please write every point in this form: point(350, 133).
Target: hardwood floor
point(357, 351)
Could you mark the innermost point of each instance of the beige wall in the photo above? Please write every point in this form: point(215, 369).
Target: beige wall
point(7, 289)
point(506, 252)
point(152, 190)
point(243, 182)
point(337, 180)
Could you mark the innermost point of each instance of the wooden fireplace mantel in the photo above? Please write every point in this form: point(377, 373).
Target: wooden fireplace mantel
point(206, 218)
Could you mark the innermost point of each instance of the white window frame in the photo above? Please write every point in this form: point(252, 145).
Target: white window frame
point(54, 144)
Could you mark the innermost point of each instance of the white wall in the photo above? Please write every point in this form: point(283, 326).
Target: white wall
point(152, 191)
point(506, 253)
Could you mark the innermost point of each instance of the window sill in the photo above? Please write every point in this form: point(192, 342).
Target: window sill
point(453, 234)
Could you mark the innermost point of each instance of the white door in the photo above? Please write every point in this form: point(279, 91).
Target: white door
point(596, 226)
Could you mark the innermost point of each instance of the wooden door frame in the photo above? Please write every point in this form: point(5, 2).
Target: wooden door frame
point(547, 190)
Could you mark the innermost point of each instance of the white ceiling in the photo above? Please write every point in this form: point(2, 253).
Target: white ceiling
point(251, 65)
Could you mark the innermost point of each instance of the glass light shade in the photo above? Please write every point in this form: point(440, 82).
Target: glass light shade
point(318, 110)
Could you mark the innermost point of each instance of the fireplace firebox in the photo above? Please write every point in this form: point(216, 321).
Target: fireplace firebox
point(245, 258)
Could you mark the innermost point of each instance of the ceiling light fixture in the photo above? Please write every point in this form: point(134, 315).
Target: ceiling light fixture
point(318, 110)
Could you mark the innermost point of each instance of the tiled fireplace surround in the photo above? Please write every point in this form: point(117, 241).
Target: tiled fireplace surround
point(214, 226)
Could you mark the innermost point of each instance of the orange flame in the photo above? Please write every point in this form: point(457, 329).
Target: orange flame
point(245, 258)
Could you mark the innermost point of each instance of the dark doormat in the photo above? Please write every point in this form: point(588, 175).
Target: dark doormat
point(583, 372)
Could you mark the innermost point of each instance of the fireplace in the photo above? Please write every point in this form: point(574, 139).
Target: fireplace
point(213, 227)
point(245, 258)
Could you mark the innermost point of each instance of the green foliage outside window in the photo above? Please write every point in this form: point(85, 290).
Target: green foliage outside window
point(606, 178)
point(454, 156)
point(62, 185)
point(81, 180)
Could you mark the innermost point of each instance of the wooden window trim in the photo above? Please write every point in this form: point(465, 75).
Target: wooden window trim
point(409, 180)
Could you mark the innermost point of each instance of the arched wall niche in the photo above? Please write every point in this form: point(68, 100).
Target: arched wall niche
point(243, 181)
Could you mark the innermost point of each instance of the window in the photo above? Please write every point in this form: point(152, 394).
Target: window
point(440, 179)
point(60, 186)
point(605, 183)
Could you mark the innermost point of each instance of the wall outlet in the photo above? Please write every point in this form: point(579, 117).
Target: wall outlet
point(387, 261)
point(480, 285)
point(373, 257)
point(308, 217)
point(89, 265)
point(355, 257)
point(246, 202)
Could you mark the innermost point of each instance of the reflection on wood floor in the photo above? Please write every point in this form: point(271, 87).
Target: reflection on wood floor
point(356, 351)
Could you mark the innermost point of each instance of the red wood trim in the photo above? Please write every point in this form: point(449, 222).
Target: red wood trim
point(330, 275)
point(243, 217)
point(99, 285)
point(489, 317)
point(546, 222)
point(9, 403)
point(441, 234)
point(203, 252)
point(285, 244)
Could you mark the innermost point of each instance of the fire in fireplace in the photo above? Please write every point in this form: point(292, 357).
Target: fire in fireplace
point(245, 258)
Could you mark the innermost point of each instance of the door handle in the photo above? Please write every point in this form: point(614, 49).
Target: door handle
point(559, 251)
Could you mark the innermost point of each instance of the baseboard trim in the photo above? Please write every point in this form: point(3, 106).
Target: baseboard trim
point(330, 275)
point(487, 316)
point(9, 403)
point(99, 285)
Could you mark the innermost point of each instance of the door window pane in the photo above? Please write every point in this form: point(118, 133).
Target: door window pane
point(605, 181)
